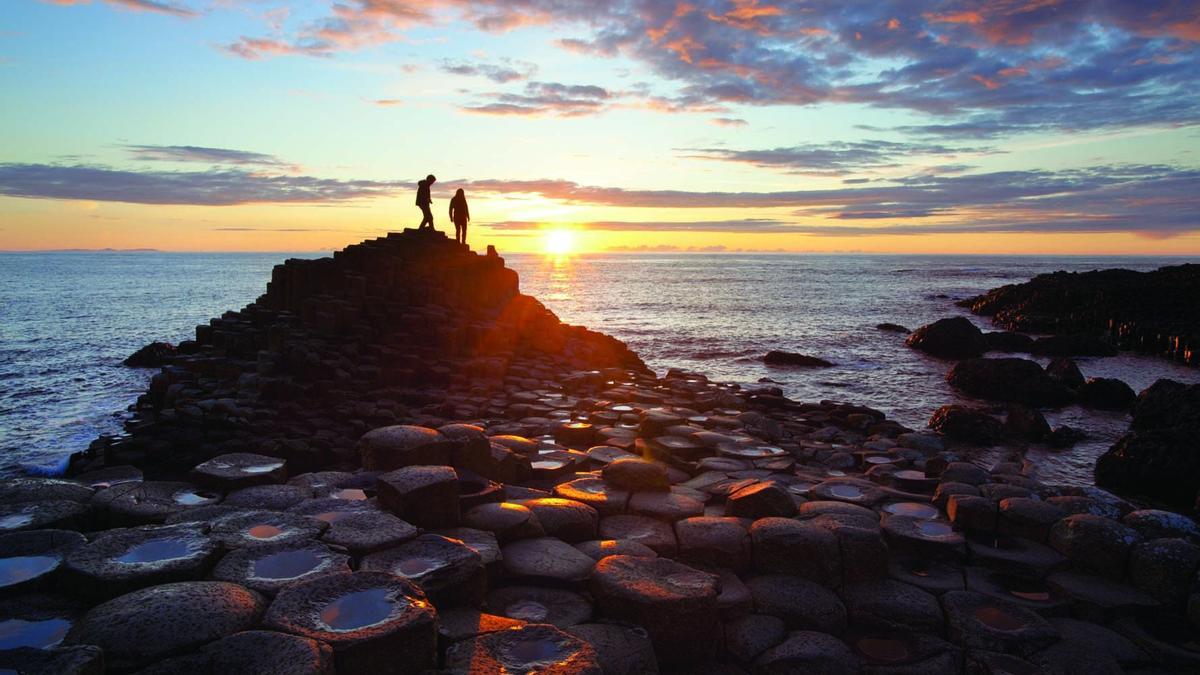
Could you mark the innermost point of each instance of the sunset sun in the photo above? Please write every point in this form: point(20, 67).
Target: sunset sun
point(559, 242)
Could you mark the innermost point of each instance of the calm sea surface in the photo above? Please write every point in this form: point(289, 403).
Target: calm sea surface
point(68, 319)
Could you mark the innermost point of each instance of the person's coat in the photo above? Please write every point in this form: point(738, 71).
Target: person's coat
point(458, 210)
point(423, 198)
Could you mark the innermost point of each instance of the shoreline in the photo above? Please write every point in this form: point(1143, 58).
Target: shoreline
point(330, 423)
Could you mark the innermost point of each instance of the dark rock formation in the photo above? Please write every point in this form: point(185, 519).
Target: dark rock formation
point(778, 358)
point(153, 355)
point(1106, 393)
point(892, 328)
point(970, 425)
point(1008, 341)
point(953, 338)
point(1154, 312)
point(1065, 371)
point(1160, 456)
point(1012, 380)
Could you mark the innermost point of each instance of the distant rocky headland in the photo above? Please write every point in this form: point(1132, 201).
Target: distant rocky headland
point(395, 462)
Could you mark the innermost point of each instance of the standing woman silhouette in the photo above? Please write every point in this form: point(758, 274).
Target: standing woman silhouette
point(460, 215)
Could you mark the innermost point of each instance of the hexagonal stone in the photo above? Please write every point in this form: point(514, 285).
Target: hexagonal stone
point(389, 448)
point(890, 605)
point(38, 620)
point(145, 625)
point(375, 622)
point(536, 604)
point(1015, 556)
point(546, 561)
point(447, 570)
point(1156, 524)
point(596, 493)
point(799, 548)
point(41, 515)
point(674, 603)
point(1094, 543)
point(119, 561)
point(509, 521)
point(746, 637)
point(620, 650)
point(533, 648)
point(669, 506)
point(655, 534)
point(918, 536)
point(262, 652)
point(262, 528)
point(761, 500)
point(150, 502)
point(367, 532)
point(30, 559)
point(1164, 568)
point(714, 541)
point(636, 475)
point(426, 496)
point(459, 623)
point(1028, 518)
point(81, 660)
point(239, 470)
point(267, 569)
point(849, 490)
point(802, 604)
point(972, 513)
point(332, 509)
point(35, 488)
point(1097, 598)
point(862, 551)
point(602, 548)
point(268, 497)
point(980, 622)
point(566, 519)
point(806, 652)
point(932, 576)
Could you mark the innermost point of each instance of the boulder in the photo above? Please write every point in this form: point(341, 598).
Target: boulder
point(1106, 393)
point(779, 358)
point(636, 474)
point(801, 604)
point(954, 338)
point(621, 650)
point(761, 500)
point(546, 561)
point(1094, 543)
point(1008, 341)
point(892, 328)
point(1062, 369)
point(966, 424)
point(153, 355)
point(806, 652)
point(1025, 422)
point(714, 541)
point(1009, 380)
point(1078, 344)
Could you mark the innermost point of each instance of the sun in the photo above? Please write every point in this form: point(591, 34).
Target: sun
point(559, 242)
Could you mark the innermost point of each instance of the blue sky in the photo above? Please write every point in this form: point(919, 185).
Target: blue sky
point(950, 126)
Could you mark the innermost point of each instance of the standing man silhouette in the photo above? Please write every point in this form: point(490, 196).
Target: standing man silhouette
point(424, 200)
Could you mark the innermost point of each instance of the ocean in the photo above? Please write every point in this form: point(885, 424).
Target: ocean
point(67, 320)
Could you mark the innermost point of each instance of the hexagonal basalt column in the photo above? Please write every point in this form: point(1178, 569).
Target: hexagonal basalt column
point(426, 496)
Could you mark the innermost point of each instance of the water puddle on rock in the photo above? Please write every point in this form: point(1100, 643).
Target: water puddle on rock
point(261, 468)
point(415, 568)
point(190, 498)
point(38, 634)
point(913, 509)
point(882, 650)
point(533, 652)
point(932, 529)
point(157, 550)
point(333, 516)
point(994, 617)
point(845, 491)
point(360, 609)
point(265, 531)
point(527, 610)
point(15, 520)
point(287, 565)
point(25, 567)
point(548, 465)
point(350, 494)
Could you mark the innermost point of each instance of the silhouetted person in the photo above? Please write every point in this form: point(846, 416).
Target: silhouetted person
point(460, 214)
point(424, 200)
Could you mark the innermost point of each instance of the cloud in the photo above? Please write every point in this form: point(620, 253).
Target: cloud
point(728, 121)
point(546, 98)
point(506, 71)
point(216, 187)
point(193, 153)
point(745, 225)
point(156, 6)
point(834, 158)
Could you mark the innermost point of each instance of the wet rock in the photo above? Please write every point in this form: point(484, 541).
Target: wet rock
point(37, 515)
point(426, 496)
point(621, 650)
point(447, 570)
point(109, 476)
point(38, 489)
point(1168, 639)
point(267, 569)
point(262, 652)
point(533, 648)
point(802, 604)
point(977, 621)
point(1007, 341)
point(1028, 518)
point(761, 500)
point(602, 548)
point(714, 541)
point(953, 338)
point(1106, 393)
point(934, 539)
point(81, 660)
point(1063, 370)
point(37, 621)
point(259, 528)
point(1099, 598)
point(119, 561)
point(1157, 524)
point(674, 603)
point(892, 328)
point(547, 561)
point(1064, 436)
point(1094, 543)
point(890, 605)
point(268, 497)
point(596, 493)
point(748, 636)
point(565, 519)
point(460, 623)
point(972, 513)
point(375, 622)
point(808, 653)
point(331, 509)
point(1032, 594)
point(1025, 422)
point(145, 625)
point(367, 532)
point(1014, 556)
point(29, 560)
point(668, 506)
point(804, 549)
point(636, 474)
point(1012, 380)
point(535, 604)
point(965, 472)
point(1164, 568)
point(650, 532)
point(238, 470)
point(969, 425)
point(849, 490)
point(506, 520)
point(390, 448)
point(780, 358)
point(932, 576)
point(1073, 345)
point(153, 355)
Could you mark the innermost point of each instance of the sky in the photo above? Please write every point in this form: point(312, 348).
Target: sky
point(948, 126)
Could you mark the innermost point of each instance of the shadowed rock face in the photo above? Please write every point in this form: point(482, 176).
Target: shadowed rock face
point(1154, 312)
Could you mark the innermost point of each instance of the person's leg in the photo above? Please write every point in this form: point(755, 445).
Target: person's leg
point(464, 233)
point(458, 233)
point(427, 217)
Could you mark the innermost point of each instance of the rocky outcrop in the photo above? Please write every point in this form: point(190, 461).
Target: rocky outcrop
point(779, 358)
point(953, 338)
point(153, 355)
point(1160, 456)
point(1153, 312)
point(1009, 380)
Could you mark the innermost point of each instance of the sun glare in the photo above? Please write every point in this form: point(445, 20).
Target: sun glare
point(559, 242)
